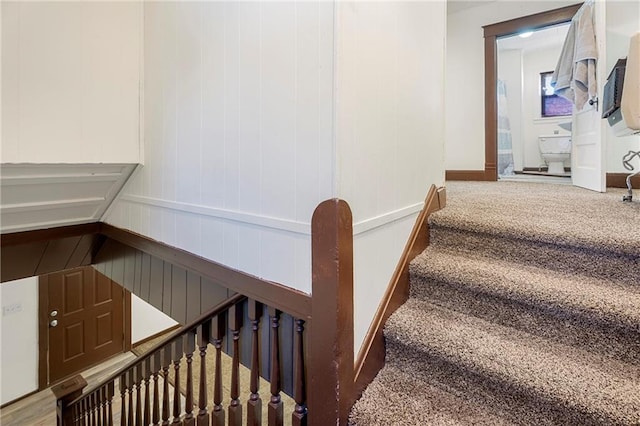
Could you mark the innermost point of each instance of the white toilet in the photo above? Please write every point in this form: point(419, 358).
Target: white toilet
point(555, 150)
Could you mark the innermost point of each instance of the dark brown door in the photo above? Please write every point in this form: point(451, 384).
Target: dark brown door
point(85, 320)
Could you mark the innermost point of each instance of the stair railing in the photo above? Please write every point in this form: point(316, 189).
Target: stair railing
point(144, 387)
point(322, 362)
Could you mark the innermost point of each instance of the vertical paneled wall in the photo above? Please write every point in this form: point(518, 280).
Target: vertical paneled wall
point(238, 133)
point(389, 131)
point(70, 82)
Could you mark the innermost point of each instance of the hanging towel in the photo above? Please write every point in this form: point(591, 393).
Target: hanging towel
point(575, 75)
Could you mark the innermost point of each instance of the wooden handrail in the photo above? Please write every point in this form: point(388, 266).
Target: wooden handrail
point(218, 309)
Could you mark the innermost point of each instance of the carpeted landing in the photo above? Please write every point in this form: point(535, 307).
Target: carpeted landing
point(524, 310)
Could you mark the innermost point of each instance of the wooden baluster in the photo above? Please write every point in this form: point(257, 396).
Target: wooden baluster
point(275, 404)
point(299, 416)
point(84, 419)
point(254, 405)
point(81, 415)
point(102, 413)
point(177, 356)
point(146, 408)
point(146, 414)
point(85, 409)
point(130, 389)
point(157, 368)
point(97, 397)
point(218, 329)
point(166, 361)
point(100, 407)
point(235, 325)
point(76, 414)
point(123, 397)
point(85, 415)
point(204, 332)
point(88, 405)
point(110, 393)
point(92, 404)
point(94, 409)
point(138, 386)
point(190, 347)
point(103, 404)
point(87, 412)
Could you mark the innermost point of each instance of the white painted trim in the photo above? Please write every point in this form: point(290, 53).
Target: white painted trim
point(235, 216)
point(57, 204)
point(266, 221)
point(378, 221)
point(49, 179)
point(124, 181)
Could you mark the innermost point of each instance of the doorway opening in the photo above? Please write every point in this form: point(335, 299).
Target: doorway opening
point(533, 123)
point(491, 35)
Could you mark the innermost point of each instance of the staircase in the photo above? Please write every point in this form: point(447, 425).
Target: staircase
point(524, 309)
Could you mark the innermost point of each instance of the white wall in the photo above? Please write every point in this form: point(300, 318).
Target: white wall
point(623, 20)
point(465, 76)
point(533, 124)
point(238, 133)
point(147, 320)
point(18, 338)
point(70, 79)
point(389, 131)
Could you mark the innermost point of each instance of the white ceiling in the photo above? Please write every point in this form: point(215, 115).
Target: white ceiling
point(39, 196)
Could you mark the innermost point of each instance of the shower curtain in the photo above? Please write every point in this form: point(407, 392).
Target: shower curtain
point(505, 150)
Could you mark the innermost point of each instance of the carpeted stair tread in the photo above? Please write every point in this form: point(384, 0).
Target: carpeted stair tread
point(595, 262)
point(560, 375)
point(600, 316)
point(605, 301)
point(403, 396)
point(523, 211)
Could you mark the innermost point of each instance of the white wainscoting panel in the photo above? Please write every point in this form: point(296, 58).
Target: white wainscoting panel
point(375, 256)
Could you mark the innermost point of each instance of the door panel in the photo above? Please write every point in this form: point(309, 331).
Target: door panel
point(588, 169)
point(89, 310)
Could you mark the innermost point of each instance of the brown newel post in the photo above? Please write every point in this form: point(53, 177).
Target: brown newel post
point(66, 392)
point(331, 359)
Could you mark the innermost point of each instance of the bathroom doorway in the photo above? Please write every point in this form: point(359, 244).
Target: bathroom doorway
point(533, 124)
point(491, 34)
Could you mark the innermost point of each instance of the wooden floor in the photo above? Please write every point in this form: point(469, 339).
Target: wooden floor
point(39, 409)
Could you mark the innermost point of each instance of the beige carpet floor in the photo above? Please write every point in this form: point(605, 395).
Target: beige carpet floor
point(524, 310)
point(288, 402)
